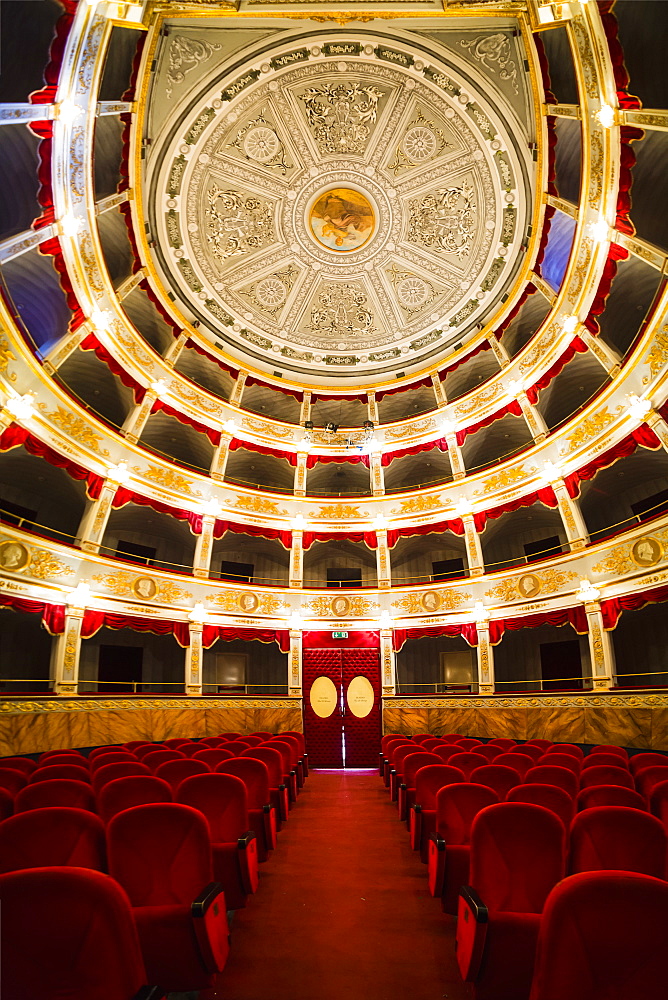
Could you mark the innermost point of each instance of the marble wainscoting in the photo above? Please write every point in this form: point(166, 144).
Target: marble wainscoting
point(630, 720)
point(35, 725)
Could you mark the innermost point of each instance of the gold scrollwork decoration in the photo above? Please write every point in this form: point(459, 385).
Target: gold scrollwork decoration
point(431, 601)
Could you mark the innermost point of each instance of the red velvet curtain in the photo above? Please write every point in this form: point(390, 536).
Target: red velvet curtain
point(52, 248)
point(287, 391)
point(564, 616)
point(439, 443)
point(152, 297)
point(289, 456)
point(512, 407)
point(309, 537)
point(322, 639)
point(14, 436)
point(467, 630)
point(455, 525)
point(257, 531)
point(234, 372)
point(94, 620)
point(484, 345)
point(613, 607)
point(545, 496)
point(53, 615)
point(91, 343)
point(615, 253)
point(577, 346)
point(124, 496)
point(403, 388)
point(184, 418)
point(212, 633)
point(313, 460)
point(326, 397)
point(643, 436)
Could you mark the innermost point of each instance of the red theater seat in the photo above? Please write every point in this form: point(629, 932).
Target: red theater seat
point(446, 751)
point(57, 792)
point(610, 795)
point(117, 757)
point(223, 800)
point(567, 760)
point(659, 802)
point(23, 764)
point(134, 790)
point(505, 745)
point(469, 743)
point(295, 754)
point(609, 748)
point(433, 741)
point(51, 771)
point(520, 762)
point(467, 762)
point(103, 751)
point(289, 756)
point(57, 835)
point(517, 857)
point(261, 813)
point(604, 774)
point(211, 756)
point(497, 776)
point(641, 760)
point(146, 748)
point(387, 756)
point(134, 745)
point(176, 743)
point(158, 757)
point(73, 759)
point(449, 847)
point(570, 748)
point(421, 737)
point(648, 777)
point(599, 758)
point(530, 751)
point(263, 735)
point(176, 771)
point(6, 804)
point(11, 780)
point(301, 742)
point(161, 855)
point(422, 815)
point(545, 774)
point(616, 837)
point(235, 746)
point(46, 756)
point(603, 937)
point(547, 796)
point(233, 736)
point(278, 791)
point(253, 741)
point(122, 769)
point(489, 752)
point(412, 764)
point(452, 737)
point(212, 741)
point(68, 934)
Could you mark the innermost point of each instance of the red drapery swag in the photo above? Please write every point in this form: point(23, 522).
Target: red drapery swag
point(484, 345)
point(257, 531)
point(153, 298)
point(321, 397)
point(14, 436)
point(512, 407)
point(309, 537)
point(91, 343)
point(213, 435)
point(94, 620)
point(286, 390)
point(289, 456)
point(53, 615)
point(124, 496)
point(564, 616)
point(313, 460)
point(467, 630)
point(234, 372)
point(613, 607)
point(529, 289)
point(576, 346)
point(455, 525)
point(212, 633)
point(546, 496)
point(322, 639)
point(643, 436)
point(403, 388)
point(439, 443)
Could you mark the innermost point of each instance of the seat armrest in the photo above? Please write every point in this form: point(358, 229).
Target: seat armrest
point(437, 840)
point(415, 824)
point(403, 786)
point(474, 904)
point(436, 865)
point(245, 840)
point(472, 924)
point(150, 993)
point(206, 897)
point(247, 845)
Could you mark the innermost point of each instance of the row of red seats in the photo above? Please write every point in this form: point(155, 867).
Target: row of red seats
point(176, 867)
point(499, 853)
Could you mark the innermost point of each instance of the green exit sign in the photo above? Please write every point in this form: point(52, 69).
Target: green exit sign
point(339, 635)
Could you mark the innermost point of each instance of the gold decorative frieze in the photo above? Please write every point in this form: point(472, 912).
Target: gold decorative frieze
point(411, 430)
point(337, 512)
point(657, 356)
point(270, 430)
point(77, 428)
point(503, 479)
point(6, 355)
point(478, 400)
point(168, 479)
point(259, 505)
point(37, 563)
point(432, 601)
point(133, 704)
point(529, 585)
point(247, 602)
point(590, 427)
point(142, 587)
point(642, 553)
point(593, 700)
point(419, 505)
point(342, 606)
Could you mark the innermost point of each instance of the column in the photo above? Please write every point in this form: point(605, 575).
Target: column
point(219, 460)
point(95, 518)
point(485, 652)
point(372, 408)
point(173, 352)
point(204, 547)
point(456, 458)
point(305, 411)
point(601, 650)
point(499, 351)
point(61, 351)
point(537, 426)
point(377, 474)
point(300, 474)
point(473, 546)
point(388, 662)
point(237, 391)
point(608, 357)
point(66, 652)
point(439, 389)
point(296, 575)
point(193, 660)
point(295, 678)
point(659, 426)
point(571, 515)
point(136, 419)
point(383, 565)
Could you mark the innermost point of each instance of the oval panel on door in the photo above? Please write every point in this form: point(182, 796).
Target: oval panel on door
point(324, 696)
point(360, 696)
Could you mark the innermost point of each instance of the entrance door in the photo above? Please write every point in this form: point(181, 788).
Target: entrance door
point(121, 665)
point(559, 660)
point(342, 707)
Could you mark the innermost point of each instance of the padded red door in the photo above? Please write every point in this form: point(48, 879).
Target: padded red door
point(362, 735)
point(323, 735)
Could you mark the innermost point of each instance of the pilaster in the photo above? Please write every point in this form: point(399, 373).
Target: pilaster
point(66, 653)
point(607, 356)
point(377, 474)
point(95, 519)
point(238, 390)
point(193, 660)
point(439, 389)
point(204, 547)
point(174, 350)
point(383, 565)
point(305, 410)
point(388, 662)
point(296, 575)
point(219, 460)
point(571, 516)
point(300, 474)
point(498, 349)
point(659, 426)
point(135, 422)
point(295, 678)
point(537, 426)
point(601, 650)
point(456, 457)
point(61, 351)
point(372, 408)
point(473, 547)
point(485, 652)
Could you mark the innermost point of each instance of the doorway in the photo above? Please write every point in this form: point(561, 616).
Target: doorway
point(560, 660)
point(342, 721)
point(119, 668)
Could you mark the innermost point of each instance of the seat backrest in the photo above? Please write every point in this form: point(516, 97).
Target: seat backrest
point(160, 853)
point(414, 761)
point(609, 748)
point(467, 761)
point(391, 746)
point(212, 741)
point(605, 774)
point(236, 746)
point(57, 792)
point(147, 748)
point(429, 779)
point(133, 745)
point(545, 774)
point(255, 776)
point(24, 764)
point(271, 758)
point(253, 741)
point(504, 743)
point(457, 805)
point(421, 737)
point(658, 802)
point(122, 769)
point(389, 738)
point(397, 753)
point(103, 751)
point(531, 751)
point(292, 743)
point(433, 741)
point(295, 735)
point(134, 790)
point(176, 771)
point(549, 796)
point(598, 758)
point(452, 737)
point(640, 760)
point(497, 776)
point(51, 771)
point(571, 748)
point(616, 837)
point(6, 803)
point(158, 757)
point(117, 757)
point(573, 764)
point(223, 800)
point(489, 751)
point(75, 760)
point(13, 781)
point(610, 795)
point(603, 935)
point(469, 743)
point(57, 835)
point(647, 777)
point(212, 756)
point(263, 735)
point(519, 762)
point(68, 932)
point(518, 854)
point(446, 751)
point(542, 744)
point(176, 743)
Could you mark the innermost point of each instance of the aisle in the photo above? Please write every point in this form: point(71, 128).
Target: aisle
point(343, 909)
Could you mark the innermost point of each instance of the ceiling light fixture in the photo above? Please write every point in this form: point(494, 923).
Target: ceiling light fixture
point(21, 407)
point(79, 597)
point(118, 473)
point(101, 320)
point(299, 523)
point(70, 226)
point(587, 592)
point(605, 116)
point(159, 388)
point(570, 324)
point(198, 614)
point(599, 231)
point(639, 408)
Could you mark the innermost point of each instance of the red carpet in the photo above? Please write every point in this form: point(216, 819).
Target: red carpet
point(343, 909)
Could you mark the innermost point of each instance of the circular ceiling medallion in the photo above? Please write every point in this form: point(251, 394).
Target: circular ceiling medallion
point(342, 219)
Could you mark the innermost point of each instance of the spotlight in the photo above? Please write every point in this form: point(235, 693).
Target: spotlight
point(308, 425)
point(331, 428)
point(368, 425)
